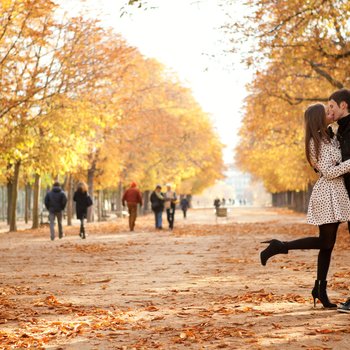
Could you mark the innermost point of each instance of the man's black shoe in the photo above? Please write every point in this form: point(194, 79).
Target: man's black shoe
point(344, 307)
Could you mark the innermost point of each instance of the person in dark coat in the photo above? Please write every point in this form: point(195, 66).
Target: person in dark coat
point(55, 202)
point(82, 202)
point(217, 204)
point(184, 204)
point(157, 200)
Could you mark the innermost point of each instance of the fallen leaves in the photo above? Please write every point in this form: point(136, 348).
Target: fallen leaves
point(102, 281)
point(39, 332)
point(198, 334)
point(261, 296)
point(198, 286)
point(151, 308)
point(87, 248)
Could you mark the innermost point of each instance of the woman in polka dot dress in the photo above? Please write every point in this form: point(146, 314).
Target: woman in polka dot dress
point(329, 203)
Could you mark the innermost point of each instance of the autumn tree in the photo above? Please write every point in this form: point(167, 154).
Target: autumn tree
point(299, 53)
point(78, 100)
point(42, 56)
point(163, 135)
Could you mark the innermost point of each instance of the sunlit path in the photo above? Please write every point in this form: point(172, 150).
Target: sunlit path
point(112, 109)
point(199, 286)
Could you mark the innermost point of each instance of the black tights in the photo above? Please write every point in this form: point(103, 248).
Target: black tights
point(325, 243)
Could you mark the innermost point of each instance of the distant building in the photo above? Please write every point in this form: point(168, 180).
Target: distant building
point(238, 189)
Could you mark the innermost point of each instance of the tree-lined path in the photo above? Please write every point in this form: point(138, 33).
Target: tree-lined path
point(198, 287)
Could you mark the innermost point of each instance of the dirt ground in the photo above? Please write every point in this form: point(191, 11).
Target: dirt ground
point(200, 286)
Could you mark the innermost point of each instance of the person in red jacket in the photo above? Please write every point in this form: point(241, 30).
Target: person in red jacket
point(132, 197)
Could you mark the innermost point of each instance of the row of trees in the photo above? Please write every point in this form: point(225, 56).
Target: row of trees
point(77, 102)
point(300, 55)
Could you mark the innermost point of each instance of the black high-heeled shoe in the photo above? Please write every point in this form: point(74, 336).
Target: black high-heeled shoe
point(275, 247)
point(314, 292)
point(320, 292)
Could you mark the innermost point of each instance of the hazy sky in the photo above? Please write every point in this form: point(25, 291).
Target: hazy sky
point(185, 35)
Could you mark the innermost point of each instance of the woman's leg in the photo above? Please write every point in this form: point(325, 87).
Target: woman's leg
point(328, 236)
point(82, 228)
point(304, 243)
point(324, 243)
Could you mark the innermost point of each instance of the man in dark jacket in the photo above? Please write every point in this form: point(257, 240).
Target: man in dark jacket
point(55, 202)
point(157, 200)
point(132, 197)
point(339, 111)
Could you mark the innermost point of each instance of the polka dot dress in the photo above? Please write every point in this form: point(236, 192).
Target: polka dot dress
point(329, 201)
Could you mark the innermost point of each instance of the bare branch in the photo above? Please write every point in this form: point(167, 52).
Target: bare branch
point(316, 67)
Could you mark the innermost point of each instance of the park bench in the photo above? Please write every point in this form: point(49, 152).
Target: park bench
point(221, 213)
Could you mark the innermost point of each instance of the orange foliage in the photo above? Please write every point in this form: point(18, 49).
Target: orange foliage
point(300, 56)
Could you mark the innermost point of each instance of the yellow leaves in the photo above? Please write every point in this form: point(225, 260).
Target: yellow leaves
point(272, 145)
point(156, 123)
point(79, 92)
point(302, 65)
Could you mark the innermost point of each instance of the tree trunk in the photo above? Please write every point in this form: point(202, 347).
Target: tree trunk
point(36, 197)
point(90, 179)
point(146, 196)
point(69, 199)
point(9, 199)
point(27, 203)
point(189, 198)
point(118, 204)
point(99, 205)
point(13, 210)
point(3, 204)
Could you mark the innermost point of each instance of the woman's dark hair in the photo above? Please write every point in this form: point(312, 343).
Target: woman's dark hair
point(82, 187)
point(342, 95)
point(315, 128)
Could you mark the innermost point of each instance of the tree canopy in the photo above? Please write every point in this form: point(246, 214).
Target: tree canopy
point(77, 99)
point(300, 56)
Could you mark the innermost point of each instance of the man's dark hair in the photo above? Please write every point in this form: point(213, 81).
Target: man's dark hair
point(56, 184)
point(342, 95)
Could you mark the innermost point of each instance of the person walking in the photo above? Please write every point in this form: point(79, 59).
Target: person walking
point(55, 202)
point(184, 204)
point(170, 205)
point(82, 201)
point(339, 108)
point(157, 200)
point(132, 196)
point(329, 202)
point(217, 204)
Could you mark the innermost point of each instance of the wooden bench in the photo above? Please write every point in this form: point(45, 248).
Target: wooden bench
point(221, 213)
